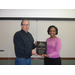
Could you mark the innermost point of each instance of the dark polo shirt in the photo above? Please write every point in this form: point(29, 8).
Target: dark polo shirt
point(23, 43)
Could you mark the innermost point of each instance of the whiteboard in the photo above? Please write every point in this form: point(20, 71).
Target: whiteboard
point(38, 29)
point(44, 13)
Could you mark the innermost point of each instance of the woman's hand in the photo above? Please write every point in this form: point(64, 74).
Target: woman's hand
point(44, 55)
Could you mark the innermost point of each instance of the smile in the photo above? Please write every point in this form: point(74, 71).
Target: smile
point(51, 34)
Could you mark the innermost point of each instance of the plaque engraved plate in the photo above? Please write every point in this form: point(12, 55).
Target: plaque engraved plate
point(41, 48)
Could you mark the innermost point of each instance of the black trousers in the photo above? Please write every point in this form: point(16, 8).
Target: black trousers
point(52, 61)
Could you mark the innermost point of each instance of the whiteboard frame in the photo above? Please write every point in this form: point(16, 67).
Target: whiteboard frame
point(36, 18)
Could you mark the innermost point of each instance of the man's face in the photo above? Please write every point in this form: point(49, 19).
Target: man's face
point(25, 26)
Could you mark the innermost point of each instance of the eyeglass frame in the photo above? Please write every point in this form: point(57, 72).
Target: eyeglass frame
point(26, 24)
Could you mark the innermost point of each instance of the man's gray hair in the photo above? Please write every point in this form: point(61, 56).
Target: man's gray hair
point(24, 20)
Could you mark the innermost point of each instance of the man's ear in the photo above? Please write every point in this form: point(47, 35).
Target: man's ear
point(21, 26)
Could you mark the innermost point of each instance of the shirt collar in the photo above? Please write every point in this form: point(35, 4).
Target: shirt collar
point(24, 31)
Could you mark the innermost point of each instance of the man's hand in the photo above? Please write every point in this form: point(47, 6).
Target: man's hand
point(33, 52)
point(36, 42)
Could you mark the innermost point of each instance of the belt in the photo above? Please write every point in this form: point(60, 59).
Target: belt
point(27, 57)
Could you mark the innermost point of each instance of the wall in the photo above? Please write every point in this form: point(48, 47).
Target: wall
point(38, 29)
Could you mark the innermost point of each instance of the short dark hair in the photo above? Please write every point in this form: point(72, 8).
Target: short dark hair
point(24, 20)
point(52, 26)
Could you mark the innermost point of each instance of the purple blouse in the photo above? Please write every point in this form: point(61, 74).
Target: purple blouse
point(53, 47)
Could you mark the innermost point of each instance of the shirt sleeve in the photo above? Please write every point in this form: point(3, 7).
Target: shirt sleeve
point(33, 45)
point(57, 48)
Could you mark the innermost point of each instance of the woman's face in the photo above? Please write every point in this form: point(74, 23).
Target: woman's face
point(52, 32)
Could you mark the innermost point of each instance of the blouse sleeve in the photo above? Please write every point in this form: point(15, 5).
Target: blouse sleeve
point(57, 48)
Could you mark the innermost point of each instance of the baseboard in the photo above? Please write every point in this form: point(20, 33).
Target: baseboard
point(36, 58)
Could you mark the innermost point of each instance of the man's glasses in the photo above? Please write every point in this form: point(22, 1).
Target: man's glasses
point(25, 24)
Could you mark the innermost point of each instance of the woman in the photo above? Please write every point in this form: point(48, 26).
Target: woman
point(54, 44)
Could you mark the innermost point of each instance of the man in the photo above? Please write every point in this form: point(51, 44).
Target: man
point(24, 45)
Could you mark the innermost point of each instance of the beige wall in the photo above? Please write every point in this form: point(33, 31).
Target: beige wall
point(39, 32)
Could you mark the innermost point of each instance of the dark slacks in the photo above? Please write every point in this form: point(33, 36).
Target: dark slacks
point(52, 61)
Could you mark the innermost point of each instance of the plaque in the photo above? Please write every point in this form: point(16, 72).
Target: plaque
point(41, 48)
